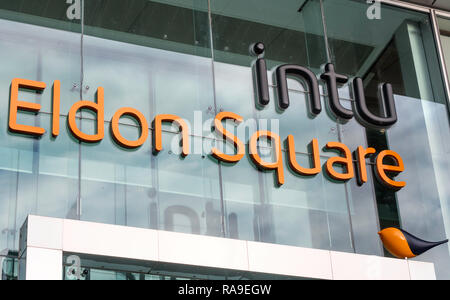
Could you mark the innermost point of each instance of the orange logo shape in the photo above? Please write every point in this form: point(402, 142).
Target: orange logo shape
point(402, 244)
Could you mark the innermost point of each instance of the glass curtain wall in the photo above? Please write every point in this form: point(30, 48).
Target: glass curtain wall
point(191, 58)
point(38, 41)
point(402, 52)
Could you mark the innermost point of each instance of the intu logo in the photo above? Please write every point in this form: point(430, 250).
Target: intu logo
point(332, 81)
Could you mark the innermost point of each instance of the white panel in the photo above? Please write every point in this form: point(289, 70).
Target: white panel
point(286, 260)
point(348, 266)
point(44, 264)
point(202, 251)
point(421, 271)
point(45, 232)
point(187, 249)
point(110, 240)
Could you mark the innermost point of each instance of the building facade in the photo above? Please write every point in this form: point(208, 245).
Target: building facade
point(88, 194)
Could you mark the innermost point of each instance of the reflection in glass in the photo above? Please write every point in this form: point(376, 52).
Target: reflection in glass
point(444, 27)
point(423, 203)
point(147, 61)
point(401, 44)
point(136, 188)
point(39, 177)
point(400, 49)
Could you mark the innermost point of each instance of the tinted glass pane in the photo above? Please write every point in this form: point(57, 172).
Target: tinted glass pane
point(155, 58)
point(136, 188)
point(402, 52)
point(37, 42)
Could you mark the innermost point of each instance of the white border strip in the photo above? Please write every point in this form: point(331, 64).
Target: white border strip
point(49, 238)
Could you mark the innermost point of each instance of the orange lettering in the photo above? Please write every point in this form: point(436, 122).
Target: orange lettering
point(98, 108)
point(278, 164)
point(345, 161)
point(240, 148)
point(293, 160)
point(361, 154)
point(56, 107)
point(15, 105)
point(395, 170)
point(157, 134)
point(142, 123)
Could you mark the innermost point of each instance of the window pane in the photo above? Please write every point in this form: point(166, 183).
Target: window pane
point(39, 176)
point(156, 58)
point(399, 49)
point(136, 188)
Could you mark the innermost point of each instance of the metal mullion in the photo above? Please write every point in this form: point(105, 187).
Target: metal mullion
point(340, 134)
point(441, 13)
point(410, 6)
point(79, 204)
point(437, 38)
point(224, 221)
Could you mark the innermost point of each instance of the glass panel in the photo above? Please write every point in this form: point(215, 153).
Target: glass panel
point(306, 212)
point(401, 44)
point(157, 66)
point(188, 190)
point(37, 42)
point(135, 188)
point(309, 212)
point(155, 59)
point(296, 121)
point(292, 32)
point(424, 202)
point(289, 35)
point(117, 185)
point(55, 54)
point(39, 177)
point(398, 49)
point(363, 210)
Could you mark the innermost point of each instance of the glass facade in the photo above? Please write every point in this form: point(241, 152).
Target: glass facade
point(191, 58)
